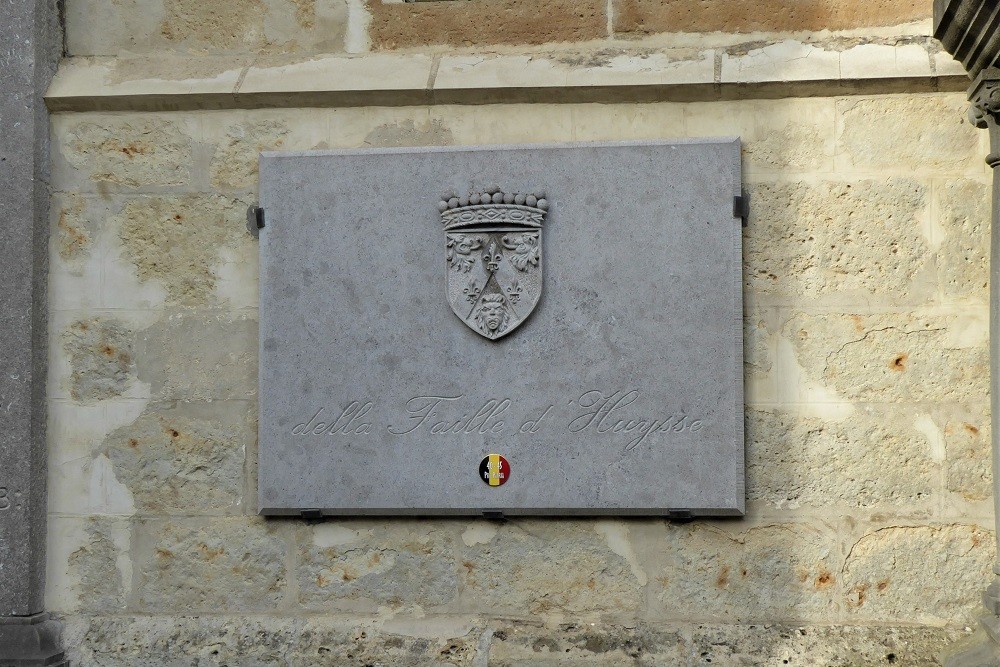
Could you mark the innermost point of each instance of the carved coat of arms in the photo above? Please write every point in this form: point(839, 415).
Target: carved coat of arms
point(494, 244)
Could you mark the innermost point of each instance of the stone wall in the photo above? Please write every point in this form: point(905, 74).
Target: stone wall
point(869, 528)
point(275, 27)
point(868, 538)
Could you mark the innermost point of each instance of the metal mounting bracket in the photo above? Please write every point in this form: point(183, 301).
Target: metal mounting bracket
point(741, 208)
point(255, 220)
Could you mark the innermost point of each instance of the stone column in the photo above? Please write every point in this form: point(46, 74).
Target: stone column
point(985, 113)
point(30, 45)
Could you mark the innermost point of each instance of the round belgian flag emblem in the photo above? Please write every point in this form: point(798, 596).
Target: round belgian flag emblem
point(494, 470)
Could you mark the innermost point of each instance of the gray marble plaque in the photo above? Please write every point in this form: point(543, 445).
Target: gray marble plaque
point(573, 308)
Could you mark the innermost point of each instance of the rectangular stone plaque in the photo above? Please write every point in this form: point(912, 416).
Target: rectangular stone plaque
point(573, 309)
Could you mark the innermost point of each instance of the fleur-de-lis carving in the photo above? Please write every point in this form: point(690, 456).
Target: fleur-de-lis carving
point(472, 291)
point(492, 257)
point(514, 292)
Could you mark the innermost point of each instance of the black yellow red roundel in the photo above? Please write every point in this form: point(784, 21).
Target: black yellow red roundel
point(494, 470)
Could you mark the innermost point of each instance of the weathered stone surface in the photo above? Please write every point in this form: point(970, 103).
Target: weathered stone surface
point(874, 458)
point(235, 162)
point(89, 564)
point(649, 16)
point(410, 133)
point(365, 565)
point(177, 240)
point(704, 571)
point(537, 567)
point(404, 25)
point(521, 123)
point(912, 132)
point(107, 27)
point(832, 237)
point(217, 26)
point(124, 641)
point(757, 353)
point(80, 482)
point(74, 230)
point(790, 135)
point(254, 641)
point(184, 458)
point(521, 644)
point(191, 565)
point(963, 217)
point(896, 574)
point(838, 646)
point(968, 466)
point(128, 152)
point(408, 643)
point(893, 357)
point(199, 355)
point(101, 358)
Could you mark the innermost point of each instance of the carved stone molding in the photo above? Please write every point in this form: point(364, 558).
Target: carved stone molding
point(984, 109)
point(970, 31)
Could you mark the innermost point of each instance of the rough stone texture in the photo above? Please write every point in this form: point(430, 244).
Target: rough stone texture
point(74, 231)
point(189, 566)
point(543, 567)
point(866, 368)
point(235, 162)
point(722, 572)
point(892, 357)
point(215, 641)
point(364, 565)
point(783, 136)
point(650, 16)
point(410, 133)
point(842, 646)
point(200, 355)
point(101, 358)
point(249, 641)
point(95, 569)
point(482, 22)
point(184, 458)
point(907, 133)
point(963, 217)
point(222, 25)
point(780, 138)
point(112, 27)
point(413, 643)
point(757, 354)
point(129, 152)
point(521, 644)
point(874, 458)
point(895, 574)
point(177, 240)
point(816, 239)
point(968, 453)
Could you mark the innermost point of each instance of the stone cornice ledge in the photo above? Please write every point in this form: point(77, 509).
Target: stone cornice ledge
point(774, 70)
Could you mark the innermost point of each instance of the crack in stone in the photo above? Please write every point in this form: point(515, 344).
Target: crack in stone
point(869, 333)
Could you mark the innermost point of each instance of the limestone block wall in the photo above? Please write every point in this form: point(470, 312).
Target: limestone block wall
point(281, 27)
point(868, 537)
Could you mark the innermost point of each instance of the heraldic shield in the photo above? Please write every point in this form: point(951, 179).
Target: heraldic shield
point(494, 255)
